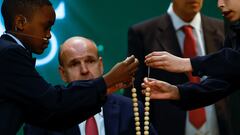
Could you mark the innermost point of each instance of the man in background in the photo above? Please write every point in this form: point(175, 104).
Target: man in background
point(172, 32)
point(79, 60)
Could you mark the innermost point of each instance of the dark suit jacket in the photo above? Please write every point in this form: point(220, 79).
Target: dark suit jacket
point(215, 64)
point(158, 34)
point(118, 119)
point(26, 97)
point(223, 69)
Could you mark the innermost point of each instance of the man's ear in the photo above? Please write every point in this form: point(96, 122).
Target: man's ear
point(62, 73)
point(19, 22)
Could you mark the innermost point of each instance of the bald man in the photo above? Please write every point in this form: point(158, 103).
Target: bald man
point(79, 60)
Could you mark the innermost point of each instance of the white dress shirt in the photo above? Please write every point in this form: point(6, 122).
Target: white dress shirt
point(210, 127)
point(100, 124)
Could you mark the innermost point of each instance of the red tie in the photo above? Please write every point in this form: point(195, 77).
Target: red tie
point(91, 126)
point(197, 117)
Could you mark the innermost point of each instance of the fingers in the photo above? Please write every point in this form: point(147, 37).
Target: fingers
point(148, 82)
point(133, 66)
point(156, 62)
point(160, 89)
point(149, 79)
point(131, 63)
point(129, 60)
point(156, 59)
point(145, 83)
point(159, 53)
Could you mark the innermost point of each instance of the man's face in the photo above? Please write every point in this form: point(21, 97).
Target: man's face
point(39, 26)
point(230, 9)
point(80, 61)
point(186, 8)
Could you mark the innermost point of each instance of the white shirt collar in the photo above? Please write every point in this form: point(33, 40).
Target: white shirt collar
point(178, 22)
point(101, 113)
point(15, 38)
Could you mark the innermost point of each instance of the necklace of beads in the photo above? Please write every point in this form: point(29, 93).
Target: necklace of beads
point(146, 109)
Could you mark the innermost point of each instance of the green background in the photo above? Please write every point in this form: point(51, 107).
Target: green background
point(107, 23)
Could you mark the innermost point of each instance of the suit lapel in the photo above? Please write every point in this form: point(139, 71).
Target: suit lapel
point(210, 36)
point(73, 131)
point(111, 117)
point(166, 36)
point(212, 44)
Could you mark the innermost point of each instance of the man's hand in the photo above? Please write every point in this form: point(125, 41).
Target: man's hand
point(121, 74)
point(166, 61)
point(160, 89)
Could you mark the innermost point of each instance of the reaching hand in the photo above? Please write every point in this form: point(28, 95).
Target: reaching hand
point(166, 61)
point(160, 89)
point(122, 72)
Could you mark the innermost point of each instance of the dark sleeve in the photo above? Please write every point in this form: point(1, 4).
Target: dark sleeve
point(136, 48)
point(205, 93)
point(44, 105)
point(224, 63)
point(32, 130)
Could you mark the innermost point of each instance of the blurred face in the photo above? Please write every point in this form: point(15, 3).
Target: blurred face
point(230, 9)
point(187, 9)
point(38, 26)
point(80, 61)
